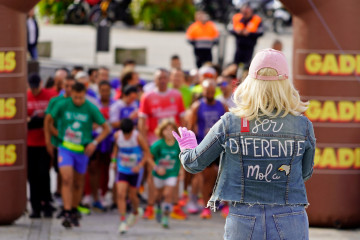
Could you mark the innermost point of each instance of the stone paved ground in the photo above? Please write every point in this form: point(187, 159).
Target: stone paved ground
point(104, 226)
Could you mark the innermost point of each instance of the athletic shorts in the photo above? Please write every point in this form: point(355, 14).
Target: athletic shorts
point(79, 161)
point(131, 179)
point(168, 182)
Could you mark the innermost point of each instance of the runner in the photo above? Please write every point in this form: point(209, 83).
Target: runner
point(83, 77)
point(155, 106)
point(205, 113)
point(129, 156)
point(76, 115)
point(126, 107)
point(165, 152)
point(98, 171)
point(52, 142)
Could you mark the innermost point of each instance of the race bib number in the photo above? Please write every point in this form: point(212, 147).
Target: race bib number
point(128, 160)
point(73, 136)
point(167, 163)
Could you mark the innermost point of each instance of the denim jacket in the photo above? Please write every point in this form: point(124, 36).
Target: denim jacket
point(261, 162)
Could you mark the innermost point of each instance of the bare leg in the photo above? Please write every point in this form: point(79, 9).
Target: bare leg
point(134, 199)
point(67, 175)
point(121, 189)
point(58, 185)
point(78, 189)
point(151, 186)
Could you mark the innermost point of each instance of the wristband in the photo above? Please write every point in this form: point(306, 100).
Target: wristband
point(113, 160)
point(95, 142)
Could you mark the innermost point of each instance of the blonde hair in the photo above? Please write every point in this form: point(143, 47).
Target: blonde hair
point(163, 124)
point(255, 98)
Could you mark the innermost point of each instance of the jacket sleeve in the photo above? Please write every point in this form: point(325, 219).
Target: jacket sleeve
point(308, 159)
point(197, 159)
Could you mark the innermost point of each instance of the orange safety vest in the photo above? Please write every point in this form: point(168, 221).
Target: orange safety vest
point(203, 35)
point(252, 25)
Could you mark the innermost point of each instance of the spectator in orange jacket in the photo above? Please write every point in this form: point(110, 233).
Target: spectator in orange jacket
point(247, 27)
point(203, 35)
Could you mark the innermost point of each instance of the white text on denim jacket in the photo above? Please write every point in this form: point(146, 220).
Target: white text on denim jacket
point(261, 147)
point(267, 176)
point(267, 125)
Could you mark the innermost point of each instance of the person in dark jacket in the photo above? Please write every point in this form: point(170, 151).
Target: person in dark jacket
point(32, 34)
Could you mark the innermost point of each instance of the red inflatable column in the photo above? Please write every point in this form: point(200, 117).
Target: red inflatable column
point(326, 68)
point(13, 124)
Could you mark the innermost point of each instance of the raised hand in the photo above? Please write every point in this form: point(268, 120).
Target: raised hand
point(187, 139)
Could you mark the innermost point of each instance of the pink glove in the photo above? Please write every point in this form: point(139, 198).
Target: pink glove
point(187, 140)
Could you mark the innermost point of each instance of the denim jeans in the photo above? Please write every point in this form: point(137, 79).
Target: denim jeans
point(266, 222)
point(33, 52)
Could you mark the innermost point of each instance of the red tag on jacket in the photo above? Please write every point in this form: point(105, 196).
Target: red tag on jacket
point(245, 125)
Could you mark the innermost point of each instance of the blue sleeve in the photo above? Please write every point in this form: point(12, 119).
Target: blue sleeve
point(308, 159)
point(197, 159)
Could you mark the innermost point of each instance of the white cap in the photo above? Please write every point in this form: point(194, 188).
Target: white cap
point(81, 74)
point(206, 70)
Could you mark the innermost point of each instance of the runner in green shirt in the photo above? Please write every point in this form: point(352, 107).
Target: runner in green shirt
point(167, 157)
point(75, 130)
point(166, 169)
point(77, 116)
point(51, 141)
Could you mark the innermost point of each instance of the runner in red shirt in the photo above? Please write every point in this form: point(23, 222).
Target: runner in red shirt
point(162, 103)
point(38, 158)
point(155, 106)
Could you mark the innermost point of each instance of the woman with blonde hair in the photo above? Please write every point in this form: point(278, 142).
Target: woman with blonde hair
point(266, 148)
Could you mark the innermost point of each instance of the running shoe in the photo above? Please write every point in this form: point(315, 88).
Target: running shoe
point(123, 228)
point(57, 199)
point(184, 199)
point(165, 221)
point(192, 207)
point(206, 213)
point(149, 213)
point(225, 211)
point(158, 214)
point(133, 219)
point(87, 200)
point(67, 221)
point(74, 219)
point(201, 202)
point(178, 213)
point(98, 206)
point(84, 210)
